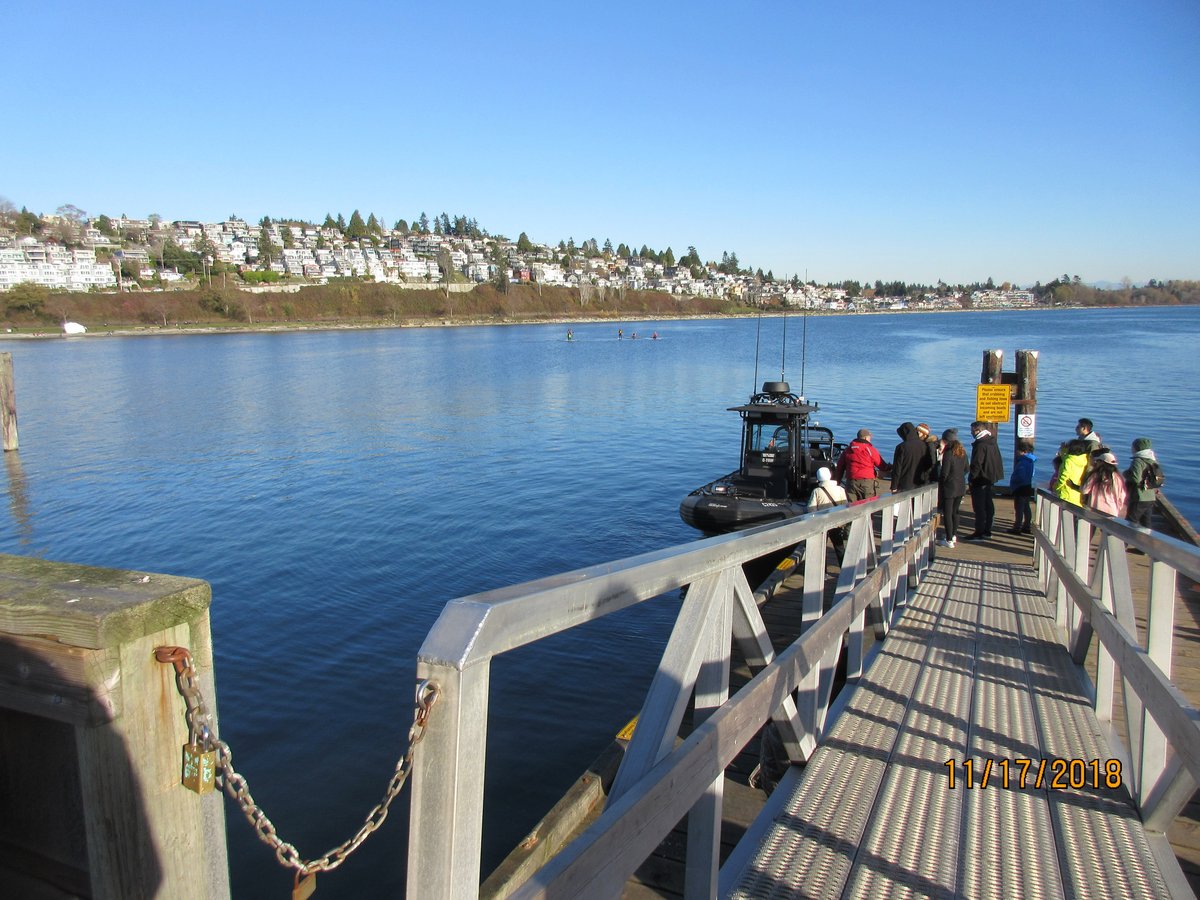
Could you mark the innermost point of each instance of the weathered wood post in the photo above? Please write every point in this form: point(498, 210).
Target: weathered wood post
point(8, 402)
point(992, 373)
point(1025, 400)
point(91, 735)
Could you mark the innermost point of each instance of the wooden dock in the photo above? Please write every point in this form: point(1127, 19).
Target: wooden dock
point(1010, 555)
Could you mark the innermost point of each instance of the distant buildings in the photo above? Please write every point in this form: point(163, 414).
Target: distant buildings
point(304, 252)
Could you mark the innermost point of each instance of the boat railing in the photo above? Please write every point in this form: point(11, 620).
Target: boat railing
point(1082, 563)
point(887, 550)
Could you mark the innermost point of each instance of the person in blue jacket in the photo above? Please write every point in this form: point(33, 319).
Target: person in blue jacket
point(1021, 483)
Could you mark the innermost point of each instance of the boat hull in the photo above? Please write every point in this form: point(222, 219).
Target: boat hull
point(719, 513)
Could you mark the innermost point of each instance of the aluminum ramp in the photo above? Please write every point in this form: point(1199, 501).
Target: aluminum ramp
point(972, 671)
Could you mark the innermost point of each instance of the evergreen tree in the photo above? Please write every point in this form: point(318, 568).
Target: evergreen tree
point(423, 226)
point(341, 224)
point(400, 226)
point(373, 225)
point(357, 228)
point(608, 248)
point(668, 257)
point(329, 223)
point(524, 244)
point(623, 251)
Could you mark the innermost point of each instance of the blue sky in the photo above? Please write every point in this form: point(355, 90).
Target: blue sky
point(863, 140)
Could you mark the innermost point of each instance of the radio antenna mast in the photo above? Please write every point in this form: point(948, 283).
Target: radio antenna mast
point(783, 355)
point(757, 339)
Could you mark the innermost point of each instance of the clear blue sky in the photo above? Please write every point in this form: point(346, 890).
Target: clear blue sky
point(912, 141)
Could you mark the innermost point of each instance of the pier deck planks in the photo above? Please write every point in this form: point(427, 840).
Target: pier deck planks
point(662, 874)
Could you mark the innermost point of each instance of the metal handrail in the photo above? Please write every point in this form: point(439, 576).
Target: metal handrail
point(1094, 597)
point(445, 835)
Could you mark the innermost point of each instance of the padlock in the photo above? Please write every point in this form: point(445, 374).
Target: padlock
point(303, 886)
point(199, 768)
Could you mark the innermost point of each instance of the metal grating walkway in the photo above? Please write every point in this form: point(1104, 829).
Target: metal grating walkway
point(971, 672)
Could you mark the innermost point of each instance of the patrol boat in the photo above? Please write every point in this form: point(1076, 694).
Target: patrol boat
point(781, 452)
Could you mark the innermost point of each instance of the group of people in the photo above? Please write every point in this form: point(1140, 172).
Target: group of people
point(1085, 473)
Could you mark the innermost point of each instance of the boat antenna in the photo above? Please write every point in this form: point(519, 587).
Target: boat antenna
point(783, 355)
point(803, 346)
point(757, 340)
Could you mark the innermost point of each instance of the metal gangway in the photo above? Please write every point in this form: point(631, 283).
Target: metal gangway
point(1004, 730)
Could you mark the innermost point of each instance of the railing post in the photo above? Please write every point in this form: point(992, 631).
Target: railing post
point(712, 690)
point(1160, 628)
point(92, 730)
point(446, 819)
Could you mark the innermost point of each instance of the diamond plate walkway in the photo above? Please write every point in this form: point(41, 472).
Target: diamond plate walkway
point(894, 802)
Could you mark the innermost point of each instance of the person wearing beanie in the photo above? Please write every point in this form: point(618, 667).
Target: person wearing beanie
point(826, 494)
point(858, 466)
point(933, 450)
point(1141, 481)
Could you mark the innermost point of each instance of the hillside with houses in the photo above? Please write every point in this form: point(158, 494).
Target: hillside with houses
point(71, 252)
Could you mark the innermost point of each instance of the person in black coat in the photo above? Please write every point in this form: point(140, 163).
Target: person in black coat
point(910, 464)
point(952, 484)
point(986, 469)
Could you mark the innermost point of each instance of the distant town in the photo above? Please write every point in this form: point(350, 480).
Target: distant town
point(70, 251)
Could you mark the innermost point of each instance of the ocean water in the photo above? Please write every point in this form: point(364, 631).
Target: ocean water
point(337, 488)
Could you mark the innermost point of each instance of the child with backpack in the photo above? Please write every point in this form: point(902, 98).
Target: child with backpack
point(1143, 478)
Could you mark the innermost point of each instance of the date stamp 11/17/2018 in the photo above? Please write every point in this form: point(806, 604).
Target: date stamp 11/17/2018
point(1053, 774)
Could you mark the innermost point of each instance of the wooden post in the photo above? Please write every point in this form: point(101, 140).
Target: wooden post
point(8, 402)
point(1025, 402)
point(91, 734)
point(992, 373)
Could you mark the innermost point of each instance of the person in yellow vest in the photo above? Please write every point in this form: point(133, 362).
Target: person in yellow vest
point(1068, 482)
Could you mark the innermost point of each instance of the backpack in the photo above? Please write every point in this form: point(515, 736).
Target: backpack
point(1152, 477)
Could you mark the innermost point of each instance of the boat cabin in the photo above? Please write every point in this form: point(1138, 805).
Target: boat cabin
point(781, 450)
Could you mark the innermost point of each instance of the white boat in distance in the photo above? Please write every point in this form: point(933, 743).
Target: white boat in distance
point(73, 328)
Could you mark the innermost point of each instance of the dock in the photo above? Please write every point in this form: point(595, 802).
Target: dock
point(1007, 724)
point(1015, 717)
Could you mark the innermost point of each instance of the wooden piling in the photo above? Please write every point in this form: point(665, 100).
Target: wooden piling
point(8, 402)
point(992, 373)
point(1025, 399)
point(91, 735)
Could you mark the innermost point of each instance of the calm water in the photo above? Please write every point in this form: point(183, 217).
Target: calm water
point(337, 488)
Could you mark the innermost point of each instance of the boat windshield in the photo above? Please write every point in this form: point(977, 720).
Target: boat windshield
point(769, 436)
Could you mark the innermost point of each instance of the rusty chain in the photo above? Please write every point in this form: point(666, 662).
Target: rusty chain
point(201, 731)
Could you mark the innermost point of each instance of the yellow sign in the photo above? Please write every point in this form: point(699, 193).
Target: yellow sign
point(993, 402)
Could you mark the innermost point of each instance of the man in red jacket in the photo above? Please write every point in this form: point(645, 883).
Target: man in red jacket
point(859, 464)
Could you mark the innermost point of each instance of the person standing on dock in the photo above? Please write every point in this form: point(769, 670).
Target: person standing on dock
point(858, 465)
point(952, 484)
point(1104, 486)
point(911, 459)
point(1071, 468)
point(1021, 483)
point(933, 449)
point(1142, 479)
point(1084, 431)
point(829, 493)
point(986, 469)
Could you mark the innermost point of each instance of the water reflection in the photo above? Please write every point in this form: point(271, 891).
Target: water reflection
point(18, 498)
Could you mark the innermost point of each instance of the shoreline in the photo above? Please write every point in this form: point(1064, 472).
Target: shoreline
point(283, 327)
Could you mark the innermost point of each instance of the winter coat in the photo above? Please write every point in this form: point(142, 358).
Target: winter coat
point(1135, 475)
point(910, 464)
point(986, 465)
point(858, 461)
point(1067, 484)
point(1104, 491)
point(1023, 472)
point(953, 480)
